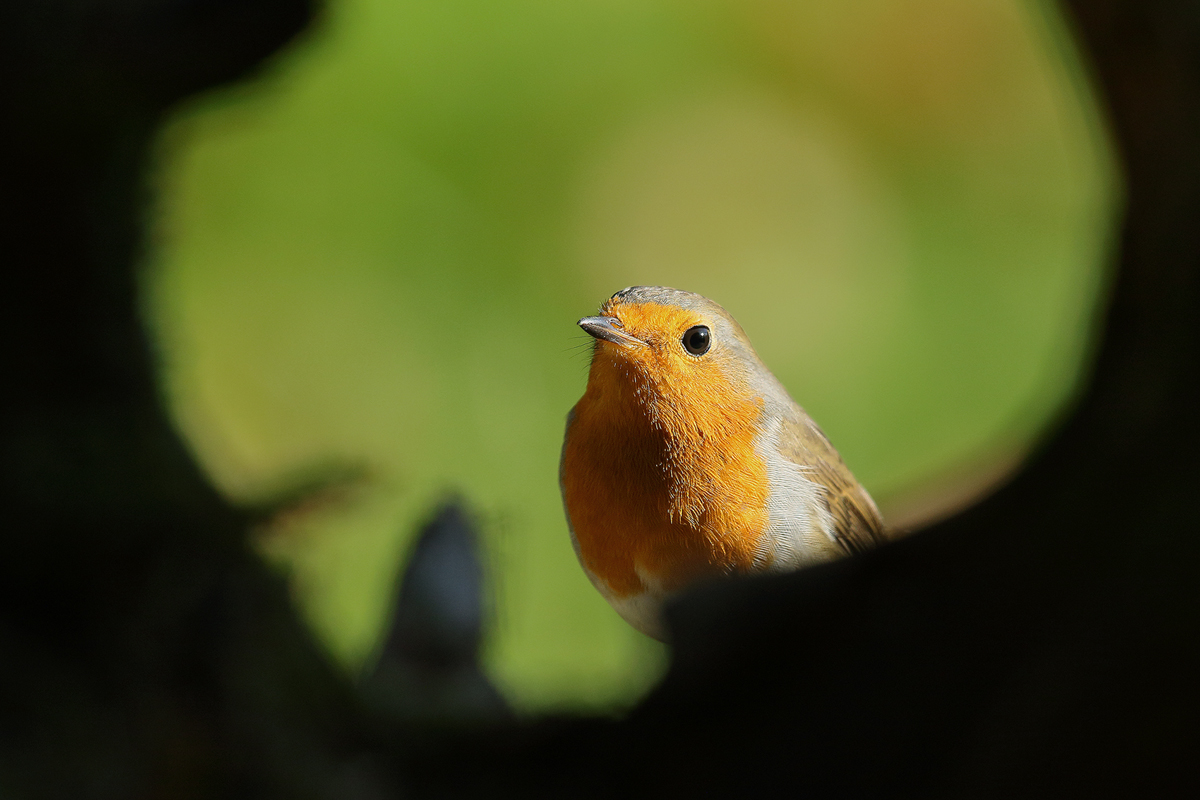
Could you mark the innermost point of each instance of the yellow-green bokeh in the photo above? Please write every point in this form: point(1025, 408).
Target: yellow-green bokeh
point(377, 253)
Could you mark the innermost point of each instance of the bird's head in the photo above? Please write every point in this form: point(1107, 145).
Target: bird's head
point(669, 347)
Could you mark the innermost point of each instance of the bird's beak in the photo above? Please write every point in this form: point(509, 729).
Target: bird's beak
point(609, 329)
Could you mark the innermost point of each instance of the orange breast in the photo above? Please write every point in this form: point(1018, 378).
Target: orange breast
point(667, 482)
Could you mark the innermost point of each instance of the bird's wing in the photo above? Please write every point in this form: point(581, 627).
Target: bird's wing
point(857, 525)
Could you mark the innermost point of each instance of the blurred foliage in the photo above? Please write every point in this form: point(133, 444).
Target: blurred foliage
point(376, 255)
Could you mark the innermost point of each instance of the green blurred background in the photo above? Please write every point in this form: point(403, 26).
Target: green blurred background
point(376, 254)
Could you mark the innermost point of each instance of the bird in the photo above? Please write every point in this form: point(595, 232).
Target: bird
point(686, 460)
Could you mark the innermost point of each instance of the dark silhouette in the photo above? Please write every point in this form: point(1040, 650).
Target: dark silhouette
point(427, 671)
point(1042, 642)
point(144, 650)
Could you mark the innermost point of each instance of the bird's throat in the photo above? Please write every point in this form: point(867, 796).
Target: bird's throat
point(662, 480)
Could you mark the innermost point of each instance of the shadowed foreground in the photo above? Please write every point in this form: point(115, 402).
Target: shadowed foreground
point(1043, 641)
point(145, 651)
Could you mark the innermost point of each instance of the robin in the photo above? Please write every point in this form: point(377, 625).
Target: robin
point(686, 459)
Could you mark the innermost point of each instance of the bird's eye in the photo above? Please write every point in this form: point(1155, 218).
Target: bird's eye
point(697, 340)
